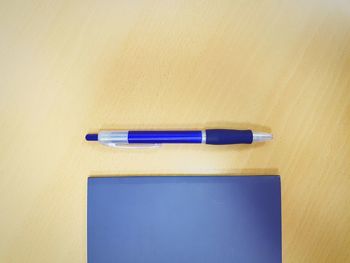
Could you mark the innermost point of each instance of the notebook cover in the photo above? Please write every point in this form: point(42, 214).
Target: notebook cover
point(180, 219)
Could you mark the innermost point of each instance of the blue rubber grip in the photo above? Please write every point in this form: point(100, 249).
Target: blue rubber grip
point(223, 136)
point(165, 137)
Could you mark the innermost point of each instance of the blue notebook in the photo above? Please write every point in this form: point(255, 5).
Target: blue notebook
point(184, 219)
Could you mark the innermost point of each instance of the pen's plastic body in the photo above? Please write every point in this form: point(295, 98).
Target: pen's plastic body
point(210, 136)
point(159, 137)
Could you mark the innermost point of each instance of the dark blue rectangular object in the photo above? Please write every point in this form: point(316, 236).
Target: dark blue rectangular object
point(184, 219)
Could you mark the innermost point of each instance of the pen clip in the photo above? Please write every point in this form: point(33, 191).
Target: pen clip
point(130, 146)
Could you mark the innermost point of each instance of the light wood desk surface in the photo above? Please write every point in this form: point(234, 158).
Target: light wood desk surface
point(72, 67)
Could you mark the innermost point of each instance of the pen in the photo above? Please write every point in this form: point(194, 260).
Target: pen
point(152, 138)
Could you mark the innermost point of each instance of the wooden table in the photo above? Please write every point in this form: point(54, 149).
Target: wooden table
point(72, 67)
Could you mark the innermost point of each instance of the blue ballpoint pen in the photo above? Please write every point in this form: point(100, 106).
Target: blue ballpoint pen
point(155, 138)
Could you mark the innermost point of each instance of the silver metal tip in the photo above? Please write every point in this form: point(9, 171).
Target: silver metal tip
point(262, 136)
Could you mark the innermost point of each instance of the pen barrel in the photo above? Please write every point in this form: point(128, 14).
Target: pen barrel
point(225, 136)
point(157, 137)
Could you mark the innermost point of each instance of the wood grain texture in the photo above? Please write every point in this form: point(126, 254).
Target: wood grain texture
point(72, 67)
